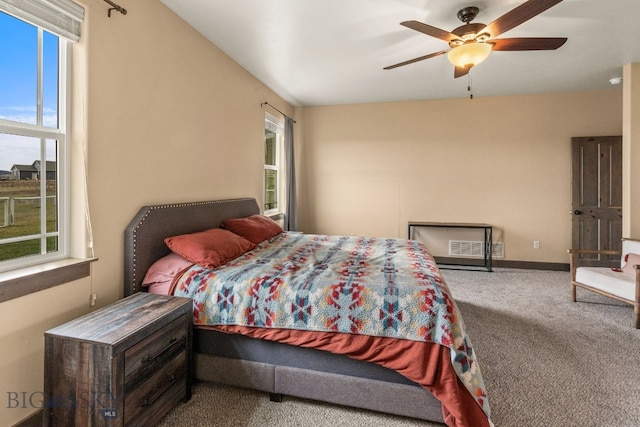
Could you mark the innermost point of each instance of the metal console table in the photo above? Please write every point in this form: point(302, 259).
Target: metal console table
point(488, 238)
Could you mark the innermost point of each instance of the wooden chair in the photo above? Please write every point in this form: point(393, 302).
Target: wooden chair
point(620, 285)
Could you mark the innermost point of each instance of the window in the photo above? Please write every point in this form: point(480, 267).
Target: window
point(273, 179)
point(33, 144)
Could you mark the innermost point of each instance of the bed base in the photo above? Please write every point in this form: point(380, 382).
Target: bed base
point(278, 369)
point(382, 396)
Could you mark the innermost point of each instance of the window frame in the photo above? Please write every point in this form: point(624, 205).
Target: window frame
point(276, 126)
point(61, 134)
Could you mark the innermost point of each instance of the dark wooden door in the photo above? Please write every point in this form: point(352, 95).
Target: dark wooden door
point(597, 197)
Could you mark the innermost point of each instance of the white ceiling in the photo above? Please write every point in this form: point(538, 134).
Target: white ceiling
point(325, 52)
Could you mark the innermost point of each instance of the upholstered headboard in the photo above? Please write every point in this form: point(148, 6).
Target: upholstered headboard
point(145, 234)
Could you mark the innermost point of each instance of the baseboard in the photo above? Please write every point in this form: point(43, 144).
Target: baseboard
point(531, 265)
point(526, 265)
point(33, 420)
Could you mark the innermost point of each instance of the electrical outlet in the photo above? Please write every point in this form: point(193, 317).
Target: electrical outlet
point(536, 244)
point(92, 300)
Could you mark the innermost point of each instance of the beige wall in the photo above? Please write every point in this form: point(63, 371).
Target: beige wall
point(368, 169)
point(168, 117)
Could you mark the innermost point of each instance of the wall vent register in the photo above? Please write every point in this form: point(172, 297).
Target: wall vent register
point(474, 249)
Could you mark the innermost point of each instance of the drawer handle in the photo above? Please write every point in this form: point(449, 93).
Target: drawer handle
point(148, 402)
point(147, 359)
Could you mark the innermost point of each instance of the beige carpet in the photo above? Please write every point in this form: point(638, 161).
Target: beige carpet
point(546, 362)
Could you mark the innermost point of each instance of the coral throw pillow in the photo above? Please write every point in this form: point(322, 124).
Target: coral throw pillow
point(210, 248)
point(255, 228)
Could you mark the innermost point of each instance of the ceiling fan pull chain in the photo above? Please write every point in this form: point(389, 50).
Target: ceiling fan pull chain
point(469, 86)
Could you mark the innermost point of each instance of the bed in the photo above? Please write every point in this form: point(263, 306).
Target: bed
point(335, 366)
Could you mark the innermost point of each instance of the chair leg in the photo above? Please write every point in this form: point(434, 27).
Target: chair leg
point(636, 316)
point(573, 292)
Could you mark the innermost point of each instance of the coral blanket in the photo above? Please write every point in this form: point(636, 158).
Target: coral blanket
point(378, 300)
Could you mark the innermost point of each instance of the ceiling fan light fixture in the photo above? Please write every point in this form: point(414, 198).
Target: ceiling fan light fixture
point(469, 54)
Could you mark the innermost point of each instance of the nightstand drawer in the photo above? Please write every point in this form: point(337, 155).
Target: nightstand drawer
point(153, 352)
point(162, 389)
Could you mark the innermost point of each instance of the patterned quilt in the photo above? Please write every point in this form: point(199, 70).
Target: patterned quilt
point(356, 285)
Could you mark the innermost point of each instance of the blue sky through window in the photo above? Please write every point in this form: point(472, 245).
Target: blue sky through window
point(18, 87)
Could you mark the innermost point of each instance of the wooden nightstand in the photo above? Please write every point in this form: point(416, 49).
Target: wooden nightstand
point(126, 364)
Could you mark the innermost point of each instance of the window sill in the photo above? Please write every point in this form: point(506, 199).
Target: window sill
point(24, 281)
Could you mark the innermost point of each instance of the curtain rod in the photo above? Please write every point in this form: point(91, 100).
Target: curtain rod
point(116, 7)
point(266, 103)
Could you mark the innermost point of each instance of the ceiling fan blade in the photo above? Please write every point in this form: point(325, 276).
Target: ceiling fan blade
point(430, 31)
point(460, 71)
point(528, 43)
point(411, 61)
point(518, 15)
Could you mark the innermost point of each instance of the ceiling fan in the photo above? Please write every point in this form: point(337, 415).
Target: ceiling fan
point(472, 43)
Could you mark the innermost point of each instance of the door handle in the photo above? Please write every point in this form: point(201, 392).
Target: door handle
point(576, 212)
